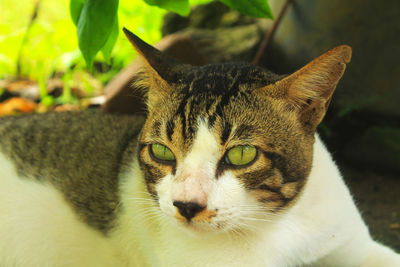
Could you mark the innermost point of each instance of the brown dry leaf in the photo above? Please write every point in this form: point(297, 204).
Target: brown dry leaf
point(16, 105)
point(67, 107)
point(394, 226)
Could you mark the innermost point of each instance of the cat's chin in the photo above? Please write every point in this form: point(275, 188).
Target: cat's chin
point(206, 229)
point(196, 228)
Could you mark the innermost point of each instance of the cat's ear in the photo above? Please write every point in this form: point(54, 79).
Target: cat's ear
point(159, 69)
point(309, 90)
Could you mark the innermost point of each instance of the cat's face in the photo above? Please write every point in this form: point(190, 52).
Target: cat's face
point(226, 146)
point(214, 142)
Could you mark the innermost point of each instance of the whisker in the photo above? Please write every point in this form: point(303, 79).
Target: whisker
point(256, 219)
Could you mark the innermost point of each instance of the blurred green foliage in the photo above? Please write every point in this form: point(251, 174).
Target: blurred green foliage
point(52, 44)
point(97, 20)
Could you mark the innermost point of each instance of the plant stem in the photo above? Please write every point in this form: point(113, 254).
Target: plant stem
point(270, 34)
point(25, 38)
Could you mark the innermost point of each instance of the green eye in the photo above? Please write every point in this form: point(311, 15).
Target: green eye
point(241, 155)
point(162, 152)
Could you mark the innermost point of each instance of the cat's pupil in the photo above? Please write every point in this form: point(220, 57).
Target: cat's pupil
point(227, 159)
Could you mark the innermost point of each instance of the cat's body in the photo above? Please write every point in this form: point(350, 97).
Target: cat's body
point(43, 229)
point(87, 189)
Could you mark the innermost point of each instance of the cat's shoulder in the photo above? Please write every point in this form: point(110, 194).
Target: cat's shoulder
point(18, 133)
point(88, 118)
point(78, 153)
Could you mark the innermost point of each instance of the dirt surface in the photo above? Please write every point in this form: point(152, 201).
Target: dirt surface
point(377, 195)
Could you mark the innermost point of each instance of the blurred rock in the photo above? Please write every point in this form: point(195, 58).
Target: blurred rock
point(311, 27)
point(238, 43)
point(55, 86)
point(220, 33)
point(378, 146)
point(27, 89)
point(214, 15)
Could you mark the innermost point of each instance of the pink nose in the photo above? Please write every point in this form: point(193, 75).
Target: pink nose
point(192, 189)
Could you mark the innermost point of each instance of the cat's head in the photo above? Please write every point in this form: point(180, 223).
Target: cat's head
point(228, 145)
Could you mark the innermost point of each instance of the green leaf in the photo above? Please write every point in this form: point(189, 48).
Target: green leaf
point(47, 100)
point(75, 7)
point(254, 8)
point(178, 6)
point(95, 24)
point(112, 39)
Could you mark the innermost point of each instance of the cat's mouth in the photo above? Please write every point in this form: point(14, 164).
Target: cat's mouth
point(203, 217)
point(203, 228)
point(207, 222)
point(202, 222)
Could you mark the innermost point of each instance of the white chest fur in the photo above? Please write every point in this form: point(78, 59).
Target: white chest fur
point(38, 228)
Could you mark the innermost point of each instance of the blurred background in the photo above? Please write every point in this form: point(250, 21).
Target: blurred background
point(42, 69)
point(43, 52)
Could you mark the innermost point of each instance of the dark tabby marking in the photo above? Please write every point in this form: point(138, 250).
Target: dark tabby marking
point(214, 85)
point(170, 129)
point(80, 153)
point(226, 132)
point(157, 129)
point(281, 164)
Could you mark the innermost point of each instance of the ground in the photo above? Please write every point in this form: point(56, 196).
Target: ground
point(377, 195)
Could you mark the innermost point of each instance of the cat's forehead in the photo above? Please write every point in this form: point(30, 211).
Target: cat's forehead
point(221, 95)
point(222, 79)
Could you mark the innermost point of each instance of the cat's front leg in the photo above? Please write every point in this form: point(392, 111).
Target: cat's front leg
point(360, 252)
point(379, 255)
point(38, 228)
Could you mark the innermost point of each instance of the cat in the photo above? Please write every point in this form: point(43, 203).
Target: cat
point(225, 169)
